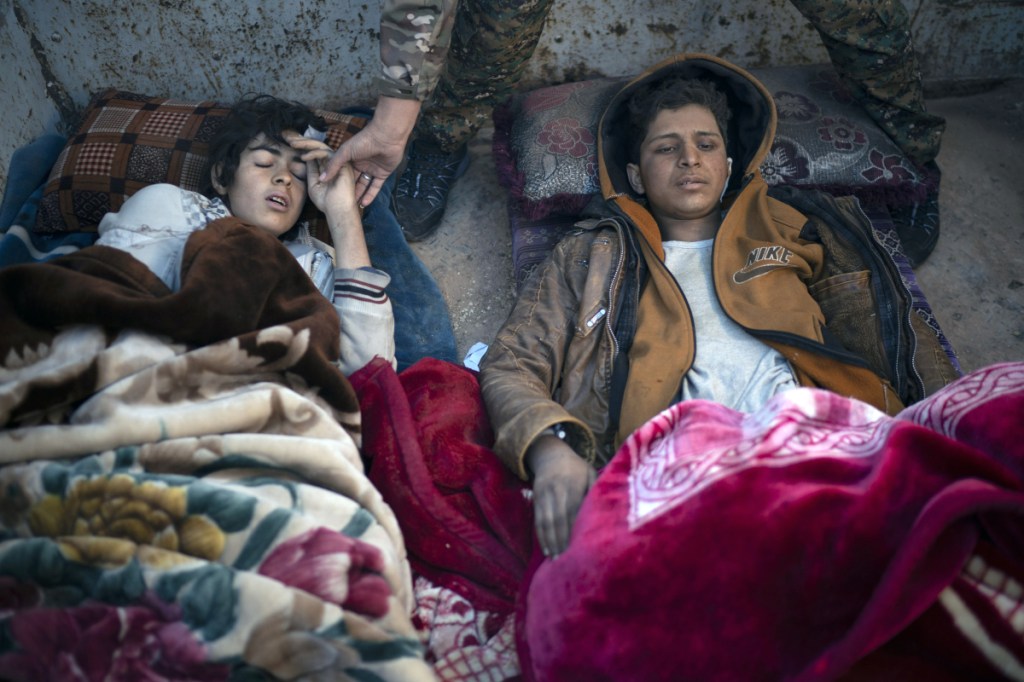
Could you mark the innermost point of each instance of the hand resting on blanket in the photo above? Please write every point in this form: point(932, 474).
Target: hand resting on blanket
point(562, 479)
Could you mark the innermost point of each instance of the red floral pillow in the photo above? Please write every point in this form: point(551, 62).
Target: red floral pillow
point(545, 146)
point(824, 139)
point(545, 143)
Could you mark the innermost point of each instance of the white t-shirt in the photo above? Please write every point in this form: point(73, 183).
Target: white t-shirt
point(730, 366)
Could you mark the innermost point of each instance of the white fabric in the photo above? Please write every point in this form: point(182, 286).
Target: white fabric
point(316, 258)
point(154, 223)
point(730, 367)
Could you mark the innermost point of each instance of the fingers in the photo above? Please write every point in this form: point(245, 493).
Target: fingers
point(546, 523)
point(306, 143)
point(555, 508)
point(367, 188)
point(316, 155)
point(335, 164)
point(554, 525)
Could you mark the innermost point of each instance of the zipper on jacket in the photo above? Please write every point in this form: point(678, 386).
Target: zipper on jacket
point(686, 303)
point(868, 247)
point(619, 370)
point(908, 327)
point(616, 273)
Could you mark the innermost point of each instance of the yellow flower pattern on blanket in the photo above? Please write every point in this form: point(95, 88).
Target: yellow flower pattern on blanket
point(147, 513)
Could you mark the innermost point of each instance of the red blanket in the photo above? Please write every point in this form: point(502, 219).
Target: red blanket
point(814, 539)
point(466, 519)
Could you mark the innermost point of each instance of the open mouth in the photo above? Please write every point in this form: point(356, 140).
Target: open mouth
point(278, 200)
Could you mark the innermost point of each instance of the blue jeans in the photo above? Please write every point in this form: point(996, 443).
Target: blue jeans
point(30, 165)
point(422, 325)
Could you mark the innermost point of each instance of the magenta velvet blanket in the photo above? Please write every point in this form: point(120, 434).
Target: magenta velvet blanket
point(815, 539)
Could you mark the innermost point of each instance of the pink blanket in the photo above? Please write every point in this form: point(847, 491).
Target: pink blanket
point(812, 540)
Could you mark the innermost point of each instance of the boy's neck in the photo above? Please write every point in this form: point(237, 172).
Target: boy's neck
point(690, 230)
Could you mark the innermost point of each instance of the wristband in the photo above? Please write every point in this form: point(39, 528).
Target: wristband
point(556, 430)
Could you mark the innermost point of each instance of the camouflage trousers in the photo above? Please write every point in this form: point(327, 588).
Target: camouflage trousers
point(870, 45)
point(492, 41)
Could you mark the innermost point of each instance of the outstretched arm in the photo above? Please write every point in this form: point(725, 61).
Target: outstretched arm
point(414, 39)
point(376, 150)
point(519, 376)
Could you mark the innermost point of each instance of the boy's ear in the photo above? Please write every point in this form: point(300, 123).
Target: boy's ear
point(635, 181)
point(214, 174)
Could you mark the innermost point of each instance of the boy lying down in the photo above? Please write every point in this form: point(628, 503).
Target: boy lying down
point(259, 170)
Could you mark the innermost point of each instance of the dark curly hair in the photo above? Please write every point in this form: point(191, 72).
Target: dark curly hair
point(246, 120)
point(671, 93)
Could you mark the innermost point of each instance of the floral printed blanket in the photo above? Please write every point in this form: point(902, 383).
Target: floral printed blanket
point(182, 490)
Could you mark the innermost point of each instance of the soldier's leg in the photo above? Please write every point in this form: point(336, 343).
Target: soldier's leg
point(871, 48)
point(491, 44)
point(492, 40)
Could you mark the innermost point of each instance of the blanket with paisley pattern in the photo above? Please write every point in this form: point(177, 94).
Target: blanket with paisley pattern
point(814, 539)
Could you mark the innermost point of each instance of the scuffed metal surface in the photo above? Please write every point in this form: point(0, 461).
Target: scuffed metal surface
point(28, 110)
point(316, 51)
point(56, 53)
point(590, 38)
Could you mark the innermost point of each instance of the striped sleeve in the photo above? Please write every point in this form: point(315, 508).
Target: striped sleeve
point(367, 321)
point(365, 284)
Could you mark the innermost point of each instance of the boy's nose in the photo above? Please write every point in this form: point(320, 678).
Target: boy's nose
point(688, 157)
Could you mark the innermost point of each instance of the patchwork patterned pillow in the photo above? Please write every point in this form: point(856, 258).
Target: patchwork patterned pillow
point(127, 141)
point(545, 143)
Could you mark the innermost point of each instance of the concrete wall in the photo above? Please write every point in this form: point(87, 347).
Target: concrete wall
point(55, 53)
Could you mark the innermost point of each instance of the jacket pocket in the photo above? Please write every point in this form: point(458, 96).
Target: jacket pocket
point(851, 315)
point(594, 299)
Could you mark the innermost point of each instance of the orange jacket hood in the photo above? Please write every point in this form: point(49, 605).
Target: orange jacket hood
point(751, 131)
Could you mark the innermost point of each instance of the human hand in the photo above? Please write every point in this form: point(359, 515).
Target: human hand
point(335, 197)
point(376, 150)
point(561, 479)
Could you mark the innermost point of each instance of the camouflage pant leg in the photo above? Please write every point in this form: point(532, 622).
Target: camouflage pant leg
point(870, 45)
point(491, 44)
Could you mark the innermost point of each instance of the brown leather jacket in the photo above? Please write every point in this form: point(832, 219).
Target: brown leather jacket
point(601, 335)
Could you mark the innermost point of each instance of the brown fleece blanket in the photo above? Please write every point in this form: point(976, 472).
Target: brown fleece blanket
point(236, 283)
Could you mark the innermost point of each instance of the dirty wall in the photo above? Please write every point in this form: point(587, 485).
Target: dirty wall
point(54, 54)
